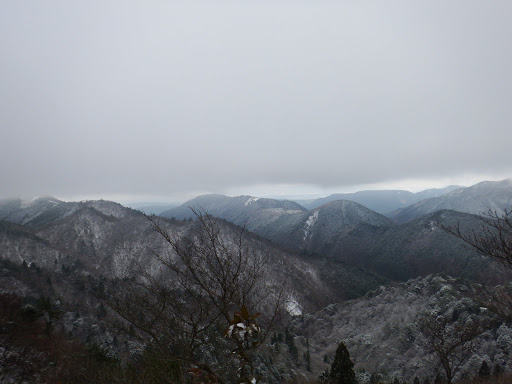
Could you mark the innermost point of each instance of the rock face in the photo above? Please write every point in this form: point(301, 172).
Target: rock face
point(477, 199)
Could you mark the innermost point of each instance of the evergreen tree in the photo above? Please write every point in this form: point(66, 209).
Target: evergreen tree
point(484, 372)
point(307, 360)
point(342, 367)
point(289, 340)
point(324, 377)
point(498, 370)
point(273, 340)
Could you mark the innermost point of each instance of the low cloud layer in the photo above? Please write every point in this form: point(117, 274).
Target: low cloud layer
point(169, 97)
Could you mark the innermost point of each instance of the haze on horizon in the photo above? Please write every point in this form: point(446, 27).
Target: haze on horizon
point(154, 99)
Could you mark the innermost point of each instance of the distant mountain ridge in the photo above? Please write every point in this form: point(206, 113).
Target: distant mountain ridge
point(477, 199)
point(240, 210)
point(318, 228)
point(346, 232)
point(349, 245)
point(44, 210)
point(381, 201)
point(284, 222)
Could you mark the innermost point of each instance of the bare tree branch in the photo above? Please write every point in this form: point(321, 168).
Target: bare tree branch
point(494, 239)
point(201, 308)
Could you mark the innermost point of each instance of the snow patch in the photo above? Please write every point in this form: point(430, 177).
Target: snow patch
point(309, 223)
point(293, 307)
point(25, 203)
point(251, 200)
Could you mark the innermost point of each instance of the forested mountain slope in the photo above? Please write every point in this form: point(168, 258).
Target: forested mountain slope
point(477, 199)
point(381, 201)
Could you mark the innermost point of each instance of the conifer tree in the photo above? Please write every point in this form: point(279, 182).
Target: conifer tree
point(342, 367)
point(307, 360)
point(498, 370)
point(484, 372)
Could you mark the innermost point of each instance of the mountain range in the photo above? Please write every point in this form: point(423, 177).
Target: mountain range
point(381, 201)
point(344, 231)
point(383, 272)
point(107, 239)
point(477, 199)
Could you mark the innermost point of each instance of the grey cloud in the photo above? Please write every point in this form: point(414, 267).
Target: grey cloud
point(167, 97)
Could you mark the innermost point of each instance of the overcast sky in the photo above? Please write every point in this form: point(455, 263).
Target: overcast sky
point(170, 98)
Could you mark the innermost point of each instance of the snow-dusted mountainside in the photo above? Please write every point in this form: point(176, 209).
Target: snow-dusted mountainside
point(345, 232)
point(284, 222)
point(104, 238)
point(316, 230)
point(151, 208)
point(381, 330)
point(19, 243)
point(418, 248)
point(348, 233)
point(383, 201)
point(241, 210)
point(35, 212)
point(477, 199)
point(41, 211)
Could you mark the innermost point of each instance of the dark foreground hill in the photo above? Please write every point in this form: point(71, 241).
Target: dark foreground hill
point(417, 248)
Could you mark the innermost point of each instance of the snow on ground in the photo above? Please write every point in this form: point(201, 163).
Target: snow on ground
point(309, 223)
point(25, 203)
point(251, 200)
point(293, 308)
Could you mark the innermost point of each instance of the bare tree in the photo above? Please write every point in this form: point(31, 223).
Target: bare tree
point(201, 309)
point(494, 239)
point(452, 343)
